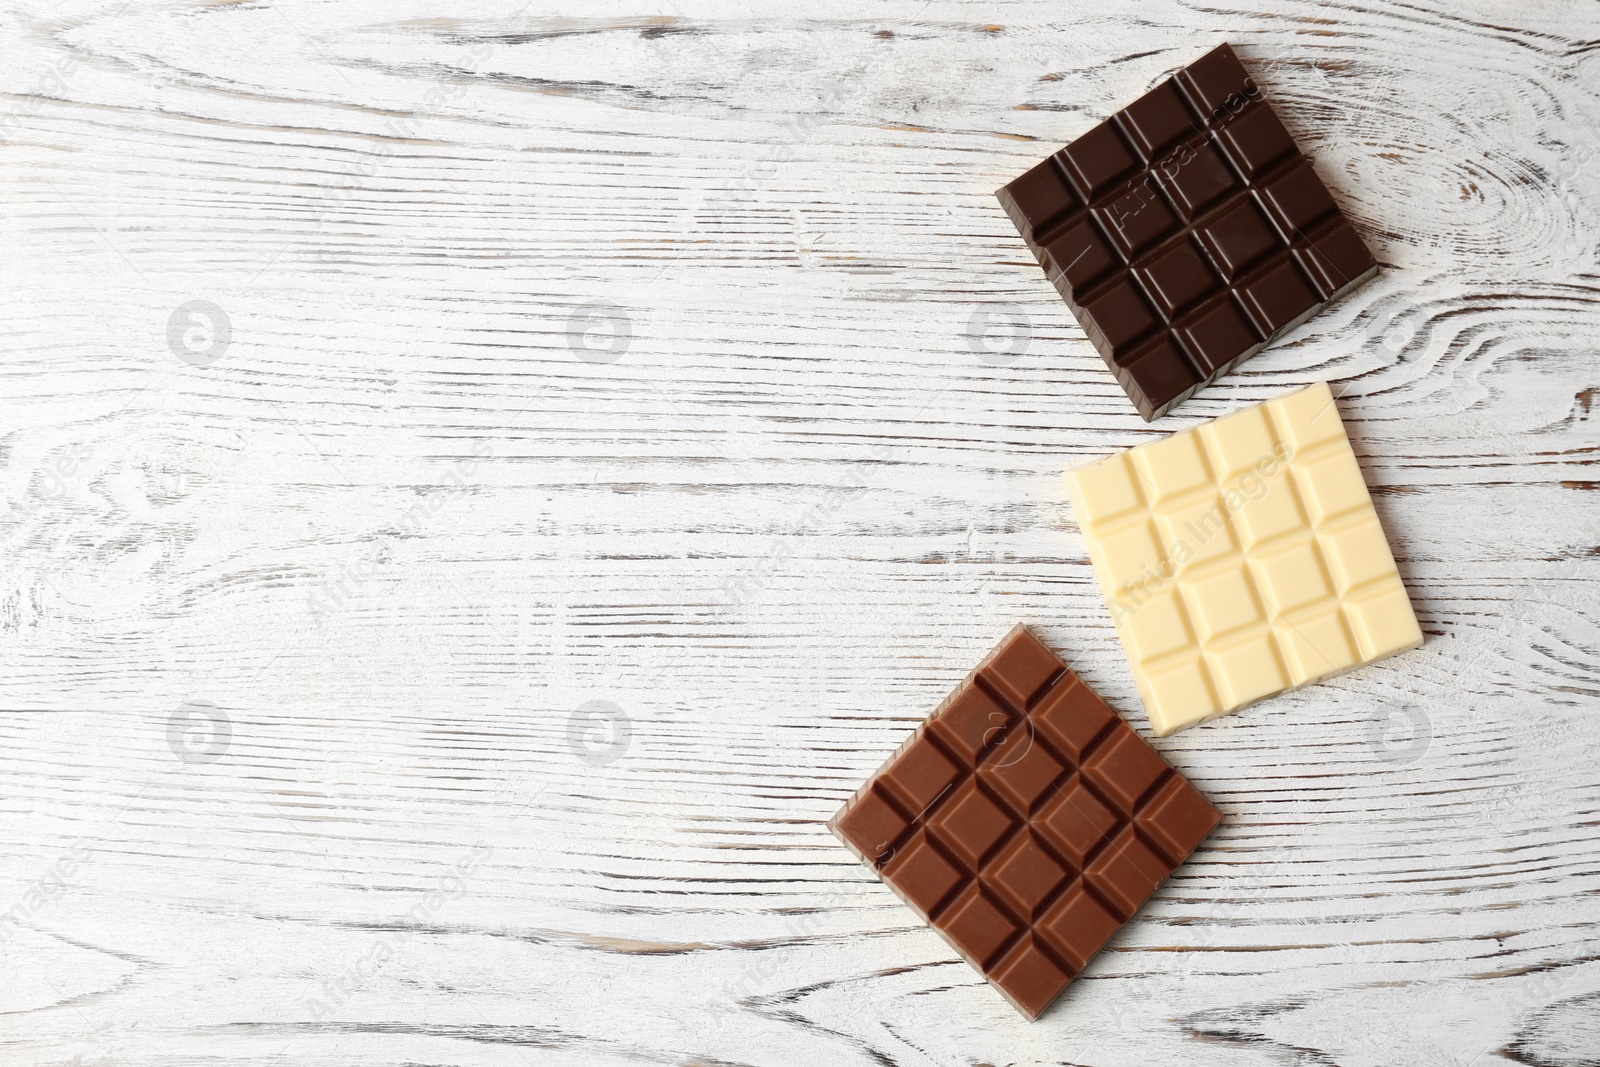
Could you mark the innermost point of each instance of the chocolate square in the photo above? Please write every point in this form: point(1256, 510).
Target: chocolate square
point(1076, 256)
point(1296, 198)
point(1136, 218)
point(1215, 336)
point(1277, 297)
point(1177, 278)
point(1119, 315)
point(1161, 369)
point(1045, 832)
point(1217, 83)
point(1195, 176)
point(1199, 167)
point(1043, 194)
point(1097, 160)
point(1237, 238)
point(1024, 875)
point(1333, 257)
point(1157, 120)
point(1255, 140)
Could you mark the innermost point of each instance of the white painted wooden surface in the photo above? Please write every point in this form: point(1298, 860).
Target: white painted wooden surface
point(632, 362)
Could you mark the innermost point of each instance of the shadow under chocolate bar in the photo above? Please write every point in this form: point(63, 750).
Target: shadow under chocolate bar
point(1187, 232)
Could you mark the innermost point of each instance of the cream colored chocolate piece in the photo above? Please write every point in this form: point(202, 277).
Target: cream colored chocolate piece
point(1242, 558)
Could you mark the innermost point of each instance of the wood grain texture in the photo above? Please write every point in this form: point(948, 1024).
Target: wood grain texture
point(597, 361)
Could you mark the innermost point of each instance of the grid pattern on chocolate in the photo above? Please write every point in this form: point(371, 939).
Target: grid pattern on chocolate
point(1187, 232)
point(1241, 558)
point(1026, 821)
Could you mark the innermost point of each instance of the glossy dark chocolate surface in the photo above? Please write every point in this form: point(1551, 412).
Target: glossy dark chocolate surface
point(1025, 821)
point(1187, 232)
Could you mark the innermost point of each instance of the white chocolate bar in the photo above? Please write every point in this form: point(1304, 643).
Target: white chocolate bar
point(1242, 558)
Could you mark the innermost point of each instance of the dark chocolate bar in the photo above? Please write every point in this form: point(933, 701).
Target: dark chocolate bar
point(1187, 232)
point(1025, 821)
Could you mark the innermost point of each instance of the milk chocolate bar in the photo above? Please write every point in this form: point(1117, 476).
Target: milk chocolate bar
point(1187, 232)
point(1025, 821)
